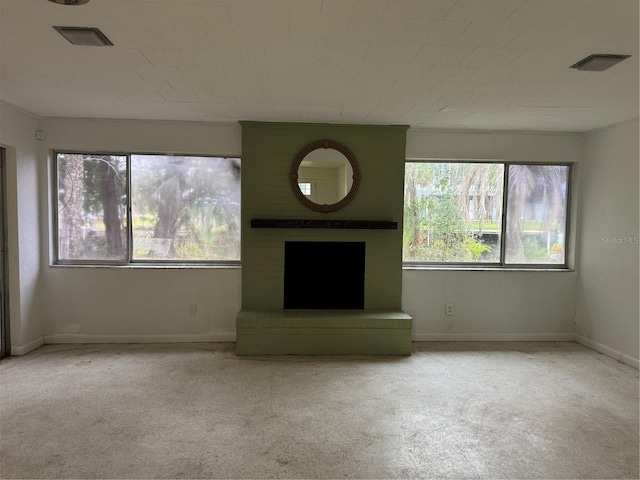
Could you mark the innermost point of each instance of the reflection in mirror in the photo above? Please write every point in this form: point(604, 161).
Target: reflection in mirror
point(325, 176)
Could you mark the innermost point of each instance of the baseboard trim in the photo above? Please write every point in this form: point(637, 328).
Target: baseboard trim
point(184, 338)
point(493, 337)
point(18, 350)
point(609, 352)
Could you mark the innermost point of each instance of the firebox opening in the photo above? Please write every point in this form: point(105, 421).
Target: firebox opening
point(324, 275)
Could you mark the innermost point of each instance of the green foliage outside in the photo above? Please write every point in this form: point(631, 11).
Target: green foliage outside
point(533, 251)
point(453, 212)
point(434, 228)
point(183, 208)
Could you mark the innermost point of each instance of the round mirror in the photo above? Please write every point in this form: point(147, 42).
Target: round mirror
point(325, 176)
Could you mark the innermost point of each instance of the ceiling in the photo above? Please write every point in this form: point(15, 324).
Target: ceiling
point(464, 64)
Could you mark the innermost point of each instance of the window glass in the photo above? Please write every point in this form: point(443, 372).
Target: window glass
point(305, 188)
point(455, 212)
point(92, 207)
point(536, 214)
point(185, 208)
point(452, 212)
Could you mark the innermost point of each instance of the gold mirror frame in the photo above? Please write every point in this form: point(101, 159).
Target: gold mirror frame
point(293, 175)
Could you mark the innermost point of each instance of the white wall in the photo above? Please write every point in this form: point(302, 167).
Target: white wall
point(141, 304)
point(490, 305)
point(489, 145)
point(129, 304)
point(607, 314)
point(514, 305)
point(86, 304)
point(24, 220)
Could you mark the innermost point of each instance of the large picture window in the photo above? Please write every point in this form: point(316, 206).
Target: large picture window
point(118, 209)
point(491, 214)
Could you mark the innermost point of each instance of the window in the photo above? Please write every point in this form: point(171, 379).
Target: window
point(305, 188)
point(92, 218)
point(114, 208)
point(458, 213)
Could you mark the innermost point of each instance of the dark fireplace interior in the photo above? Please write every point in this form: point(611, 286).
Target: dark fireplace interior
point(324, 275)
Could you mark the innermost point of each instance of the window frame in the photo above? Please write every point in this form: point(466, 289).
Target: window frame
point(129, 261)
point(501, 264)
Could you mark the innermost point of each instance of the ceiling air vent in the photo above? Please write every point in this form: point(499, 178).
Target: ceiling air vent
point(88, 36)
point(599, 62)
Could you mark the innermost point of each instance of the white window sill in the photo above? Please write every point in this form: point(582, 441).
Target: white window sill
point(152, 266)
point(474, 268)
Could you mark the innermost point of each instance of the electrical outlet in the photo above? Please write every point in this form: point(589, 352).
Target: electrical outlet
point(448, 310)
point(193, 309)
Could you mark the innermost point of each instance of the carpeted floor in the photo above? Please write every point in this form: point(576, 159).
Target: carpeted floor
point(450, 410)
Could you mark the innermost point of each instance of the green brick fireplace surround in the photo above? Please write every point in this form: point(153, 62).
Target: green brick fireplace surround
point(323, 332)
point(263, 326)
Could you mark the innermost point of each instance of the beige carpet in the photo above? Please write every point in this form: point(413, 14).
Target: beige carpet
point(450, 410)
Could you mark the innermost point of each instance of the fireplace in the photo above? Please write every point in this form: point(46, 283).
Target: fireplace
point(339, 289)
point(324, 275)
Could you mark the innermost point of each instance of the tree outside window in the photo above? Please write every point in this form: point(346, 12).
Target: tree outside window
point(183, 208)
point(92, 207)
point(454, 212)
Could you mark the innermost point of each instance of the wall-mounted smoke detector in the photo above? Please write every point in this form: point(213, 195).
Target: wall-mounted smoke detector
point(88, 36)
point(599, 62)
point(69, 2)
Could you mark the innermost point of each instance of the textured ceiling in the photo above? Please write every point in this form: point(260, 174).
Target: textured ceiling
point(482, 64)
